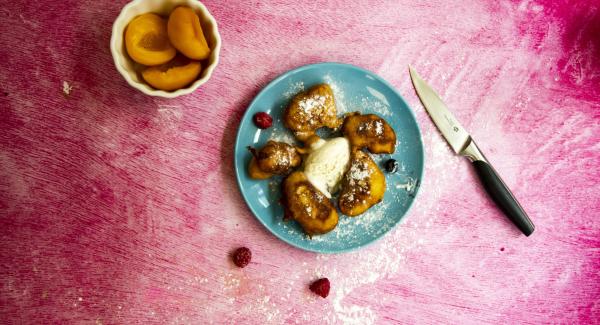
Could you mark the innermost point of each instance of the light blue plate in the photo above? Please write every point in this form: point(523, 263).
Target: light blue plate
point(355, 89)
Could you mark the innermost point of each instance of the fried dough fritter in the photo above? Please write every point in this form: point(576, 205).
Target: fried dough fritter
point(307, 205)
point(310, 110)
point(275, 158)
point(363, 185)
point(369, 131)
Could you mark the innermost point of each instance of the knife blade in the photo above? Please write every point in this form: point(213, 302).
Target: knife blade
point(462, 143)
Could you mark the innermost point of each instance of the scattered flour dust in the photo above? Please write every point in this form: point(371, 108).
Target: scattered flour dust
point(260, 304)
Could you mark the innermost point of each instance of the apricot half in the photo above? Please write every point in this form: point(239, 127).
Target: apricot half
point(147, 41)
point(173, 75)
point(185, 33)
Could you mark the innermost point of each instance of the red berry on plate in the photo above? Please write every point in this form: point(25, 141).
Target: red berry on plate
point(321, 287)
point(242, 256)
point(263, 120)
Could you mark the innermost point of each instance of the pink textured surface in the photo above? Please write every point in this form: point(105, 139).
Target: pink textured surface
point(116, 207)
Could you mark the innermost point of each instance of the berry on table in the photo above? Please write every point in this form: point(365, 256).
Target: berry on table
point(242, 256)
point(321, 287)
point(263, 120)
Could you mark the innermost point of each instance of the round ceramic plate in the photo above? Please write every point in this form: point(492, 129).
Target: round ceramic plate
point(355, 89)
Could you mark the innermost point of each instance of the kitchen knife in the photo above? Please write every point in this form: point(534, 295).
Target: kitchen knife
point(462, 143)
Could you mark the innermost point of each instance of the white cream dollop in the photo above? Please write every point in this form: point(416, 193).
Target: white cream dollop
point(325, 165)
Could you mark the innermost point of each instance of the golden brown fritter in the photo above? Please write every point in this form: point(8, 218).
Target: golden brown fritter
point(255, 172)
point(363, 185)
point(311, 110)
point(369, 131)
point(307, 205)
point(275, 158)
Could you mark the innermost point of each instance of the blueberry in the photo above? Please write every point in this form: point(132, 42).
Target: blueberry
point(391, 166)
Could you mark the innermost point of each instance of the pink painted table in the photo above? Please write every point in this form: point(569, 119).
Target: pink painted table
point(116, 207)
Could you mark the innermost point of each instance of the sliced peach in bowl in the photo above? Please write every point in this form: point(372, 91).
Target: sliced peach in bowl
point(147, 41)
point(173, 75)
point(185, 33)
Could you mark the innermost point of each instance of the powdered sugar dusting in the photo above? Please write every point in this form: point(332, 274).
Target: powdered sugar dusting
point(378, 127)
point(351, 229)
point(375, 102)
point(359, 172)
point(293, 89)
point(375, 126)
point(338, 93)
point(373, 105)
point(281, 134)
point(309, 104)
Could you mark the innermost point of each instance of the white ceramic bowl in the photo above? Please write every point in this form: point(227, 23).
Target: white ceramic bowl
point(127, 67)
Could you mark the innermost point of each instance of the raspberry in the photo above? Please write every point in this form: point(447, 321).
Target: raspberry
point(321, 287)
point(263, 120)
point(242, 256)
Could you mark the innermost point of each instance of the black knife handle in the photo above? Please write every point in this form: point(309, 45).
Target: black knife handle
point(503, 197)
